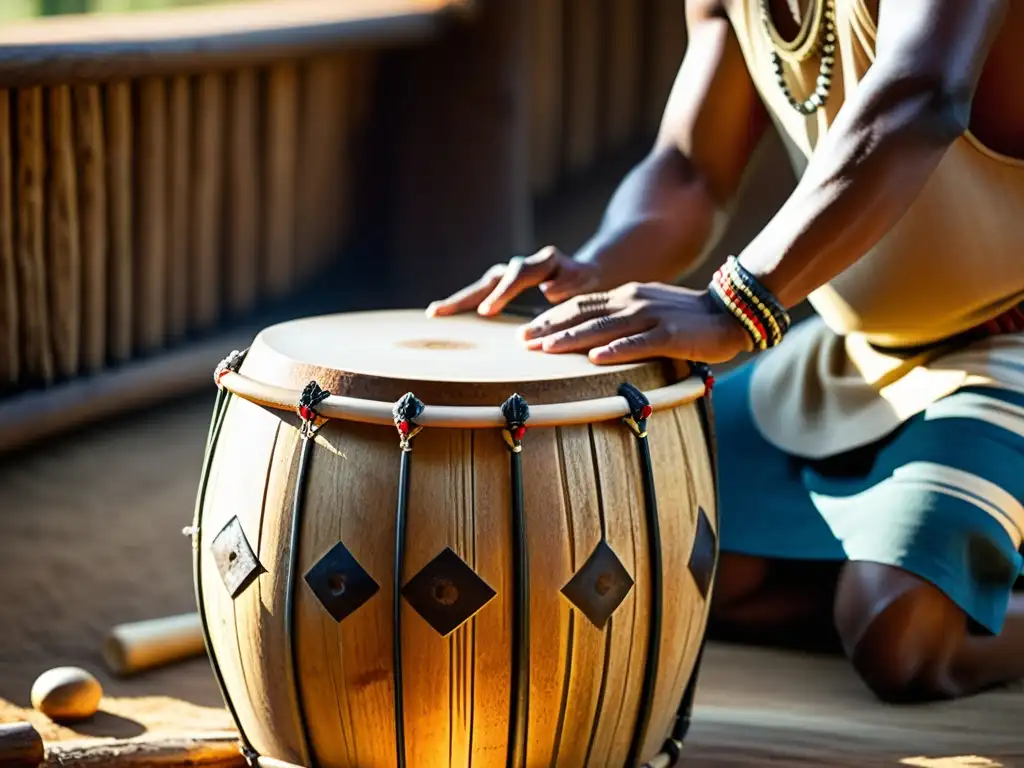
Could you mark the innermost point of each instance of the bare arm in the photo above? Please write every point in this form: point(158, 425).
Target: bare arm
point(662, 215)
point(887, 140)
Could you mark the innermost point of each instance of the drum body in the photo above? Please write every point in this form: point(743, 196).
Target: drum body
point(296, 560)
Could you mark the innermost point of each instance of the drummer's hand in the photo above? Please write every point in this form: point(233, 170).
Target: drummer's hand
point(557, 276)
point(639, 321)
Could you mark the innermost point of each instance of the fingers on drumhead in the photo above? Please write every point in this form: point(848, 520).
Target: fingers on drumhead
point(520, 274)
point(469, 297)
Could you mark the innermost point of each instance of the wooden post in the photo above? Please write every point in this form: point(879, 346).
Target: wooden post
point(457, 131)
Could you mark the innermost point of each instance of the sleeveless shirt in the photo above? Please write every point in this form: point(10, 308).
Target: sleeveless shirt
point(953, 261)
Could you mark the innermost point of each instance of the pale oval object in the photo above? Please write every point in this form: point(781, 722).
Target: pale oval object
point(67, 694)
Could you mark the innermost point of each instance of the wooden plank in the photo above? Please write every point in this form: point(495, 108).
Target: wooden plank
point(666, 32)
point(346, 667)
point(179, 205)
point(546, 40)
point(151, 233)
point(624, 47)
point(63, 251)
point(10, 368)
point(63, 261)
point(119, 183)
point(65, 49)
point(31, 257)
point(281, 164)
point(584, 23)
point(459, 153)
point(246, 178)
point(238, 476)
point(324, 206)
point(92, 208)
point(616, 460)
point(208, 181)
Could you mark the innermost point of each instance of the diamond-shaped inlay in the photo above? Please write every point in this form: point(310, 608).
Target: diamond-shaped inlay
point(702, 558)
point(447, 592)
point(234, 557)
point(340, 583)
point(600, 586)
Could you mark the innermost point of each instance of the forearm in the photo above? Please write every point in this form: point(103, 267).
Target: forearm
point(656, 224)
point(873, 164)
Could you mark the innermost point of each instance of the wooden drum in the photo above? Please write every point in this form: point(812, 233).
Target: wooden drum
point(508, 566)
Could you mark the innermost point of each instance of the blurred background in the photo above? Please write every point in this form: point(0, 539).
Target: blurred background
point(176, 175)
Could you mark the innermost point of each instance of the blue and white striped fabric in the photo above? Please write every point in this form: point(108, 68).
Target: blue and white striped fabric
point(942, 497)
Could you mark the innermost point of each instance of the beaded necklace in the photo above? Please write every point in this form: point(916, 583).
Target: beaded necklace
point(817, 34)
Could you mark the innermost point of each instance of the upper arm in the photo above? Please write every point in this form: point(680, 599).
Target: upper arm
point(714, 115)
point(938, 47)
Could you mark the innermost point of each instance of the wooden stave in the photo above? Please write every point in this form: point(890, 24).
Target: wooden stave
point(387, 447)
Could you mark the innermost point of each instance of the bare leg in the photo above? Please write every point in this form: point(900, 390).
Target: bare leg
point(908, 641)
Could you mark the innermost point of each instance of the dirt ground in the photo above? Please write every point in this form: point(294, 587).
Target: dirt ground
point(90, 536)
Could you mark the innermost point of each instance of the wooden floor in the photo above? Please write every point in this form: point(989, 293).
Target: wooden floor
point(90, 535)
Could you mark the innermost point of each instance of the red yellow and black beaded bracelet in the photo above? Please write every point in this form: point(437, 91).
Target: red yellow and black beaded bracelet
point(740, 294)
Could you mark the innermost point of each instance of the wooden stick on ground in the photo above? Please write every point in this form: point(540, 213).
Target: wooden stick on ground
point(21, 746)
point(141, 645)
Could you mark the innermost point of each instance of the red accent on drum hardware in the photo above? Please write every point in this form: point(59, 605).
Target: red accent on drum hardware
point(403, 427)
point(646, 411)
point(518, 433)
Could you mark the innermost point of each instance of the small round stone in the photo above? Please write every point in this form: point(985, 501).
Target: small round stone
point(66, 694)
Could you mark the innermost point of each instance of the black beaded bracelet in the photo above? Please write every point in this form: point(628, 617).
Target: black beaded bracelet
point(766, 297)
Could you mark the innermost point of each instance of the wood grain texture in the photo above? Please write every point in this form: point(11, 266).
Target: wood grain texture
point(281, 182)
point(91, 159)
point(582, 484)
point(151, 231)
point(546, 61)
point(147, 752)
point(10, 364)
point(460, 154)
point(179, 204)
point(120, 150)
point(207, 185)
point(237, 490)
point(245, 178)
point(31, 256)
point(324, 209)
point(666, 32)
point(346, 667)
point(584, 27)
point(64, 49)
point(624, 52)
point(64, 276)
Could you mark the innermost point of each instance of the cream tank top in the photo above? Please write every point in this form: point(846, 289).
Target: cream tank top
point(953, 261)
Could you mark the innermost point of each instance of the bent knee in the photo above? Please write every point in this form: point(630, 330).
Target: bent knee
point(900, 632)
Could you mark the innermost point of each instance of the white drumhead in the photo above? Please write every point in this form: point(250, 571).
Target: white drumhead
point(406, 344)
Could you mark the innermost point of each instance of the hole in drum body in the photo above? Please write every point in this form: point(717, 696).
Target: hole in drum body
point(445, 592)
point(604, 584)
point(336, 583)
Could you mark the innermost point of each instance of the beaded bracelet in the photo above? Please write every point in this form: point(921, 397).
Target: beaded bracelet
point(739, 293)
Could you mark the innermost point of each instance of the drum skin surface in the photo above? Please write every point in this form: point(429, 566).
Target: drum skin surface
point(330, 700)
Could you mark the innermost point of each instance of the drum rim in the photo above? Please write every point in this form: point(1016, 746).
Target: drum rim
point(340, 407)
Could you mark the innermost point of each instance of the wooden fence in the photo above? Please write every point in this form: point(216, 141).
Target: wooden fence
point(169, 180)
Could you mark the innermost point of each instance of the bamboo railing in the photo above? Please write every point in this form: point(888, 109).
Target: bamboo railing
point(168, 178)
